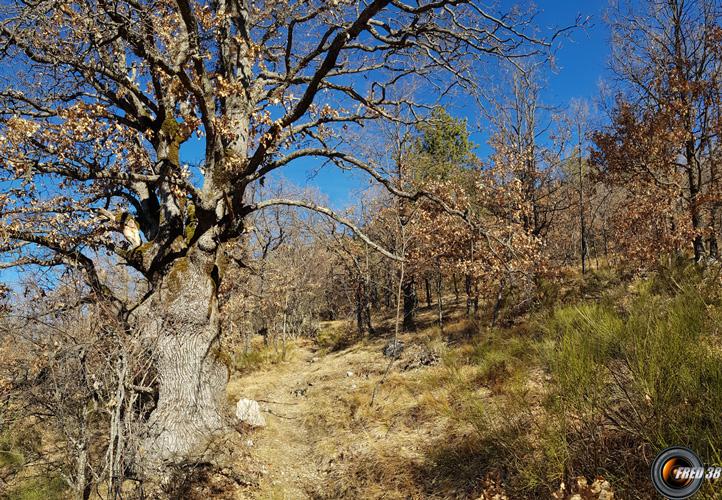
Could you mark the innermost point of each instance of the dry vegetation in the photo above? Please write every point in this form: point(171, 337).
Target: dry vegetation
point(567, 399)
point(487, 413)
point(557, 293)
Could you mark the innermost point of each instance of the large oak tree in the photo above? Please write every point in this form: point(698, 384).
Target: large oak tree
point(98, 96)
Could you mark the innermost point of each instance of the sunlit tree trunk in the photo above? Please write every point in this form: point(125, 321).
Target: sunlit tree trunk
point(180, 323)
point(696, 219)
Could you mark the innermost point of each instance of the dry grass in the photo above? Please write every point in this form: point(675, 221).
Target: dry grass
point(344, 424)
point(486, 413)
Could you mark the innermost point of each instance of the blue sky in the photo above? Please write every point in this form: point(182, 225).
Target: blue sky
point(582, 58)
point(581, 61)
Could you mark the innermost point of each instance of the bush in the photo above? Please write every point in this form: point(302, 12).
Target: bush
point(16, 443)
point(585, 338)
point(597, 282)
point(673, 274)
point(335, 335)
point(261, 356)
point(629, 385)
point(40, 488)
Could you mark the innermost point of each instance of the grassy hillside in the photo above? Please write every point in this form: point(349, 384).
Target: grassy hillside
point(575, 397)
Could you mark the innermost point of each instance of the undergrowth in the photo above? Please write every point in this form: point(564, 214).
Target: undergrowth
point(593, 384)
point(39, 488)
point(260, 357)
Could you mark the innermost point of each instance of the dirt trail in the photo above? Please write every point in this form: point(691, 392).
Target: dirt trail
point(288, 393)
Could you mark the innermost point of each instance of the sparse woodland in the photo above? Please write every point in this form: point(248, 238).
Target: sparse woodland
point(532, 317)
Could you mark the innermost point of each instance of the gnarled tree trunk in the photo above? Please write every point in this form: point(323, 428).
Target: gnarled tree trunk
point(180, 323)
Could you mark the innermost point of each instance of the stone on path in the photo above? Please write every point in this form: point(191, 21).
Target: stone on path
point(249, 413)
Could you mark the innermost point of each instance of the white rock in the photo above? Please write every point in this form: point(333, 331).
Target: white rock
point(248, 412)
point(349, 374)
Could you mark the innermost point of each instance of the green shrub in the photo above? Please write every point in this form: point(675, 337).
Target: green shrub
point(585, 338)
point(255, 359)
point(39, 488)
point(10, 456)
point(674, 274)
point(16, 443)
point(334, 336)
point(641, 381)
point(597, 282)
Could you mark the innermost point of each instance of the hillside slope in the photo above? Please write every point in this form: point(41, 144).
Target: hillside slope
point(325, 438)
point(571, 401)
point(356, 424)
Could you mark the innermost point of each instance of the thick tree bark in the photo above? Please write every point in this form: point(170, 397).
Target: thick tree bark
point(180, 323)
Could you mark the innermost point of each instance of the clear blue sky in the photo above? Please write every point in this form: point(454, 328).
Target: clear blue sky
point(581, 61)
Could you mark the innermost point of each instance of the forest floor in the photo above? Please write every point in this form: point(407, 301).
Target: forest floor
point(289, 451)
point(288, 392)
point(353, 423)
point(448, 419)
point(284, 449)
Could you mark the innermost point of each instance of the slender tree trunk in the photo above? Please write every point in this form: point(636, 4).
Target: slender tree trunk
point(476, 299)
point(439, 299)
point(83, 486)
point(456, 289)
point(363, 311)
point(374, 297)
point(596, 253)
point(497, 305)
point(427, 285)
point(367, 320)
point(698, 242)
point(712, 244)
point(180, 323)
point(284, 329)
point(368, 295)
point(388, 291)
point(359, 311)
point(410, 302)
point(467, 288)
point(582, 222)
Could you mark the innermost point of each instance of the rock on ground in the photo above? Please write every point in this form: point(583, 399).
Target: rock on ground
point(249, 412)
point(393, 349)
point(417, 356)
